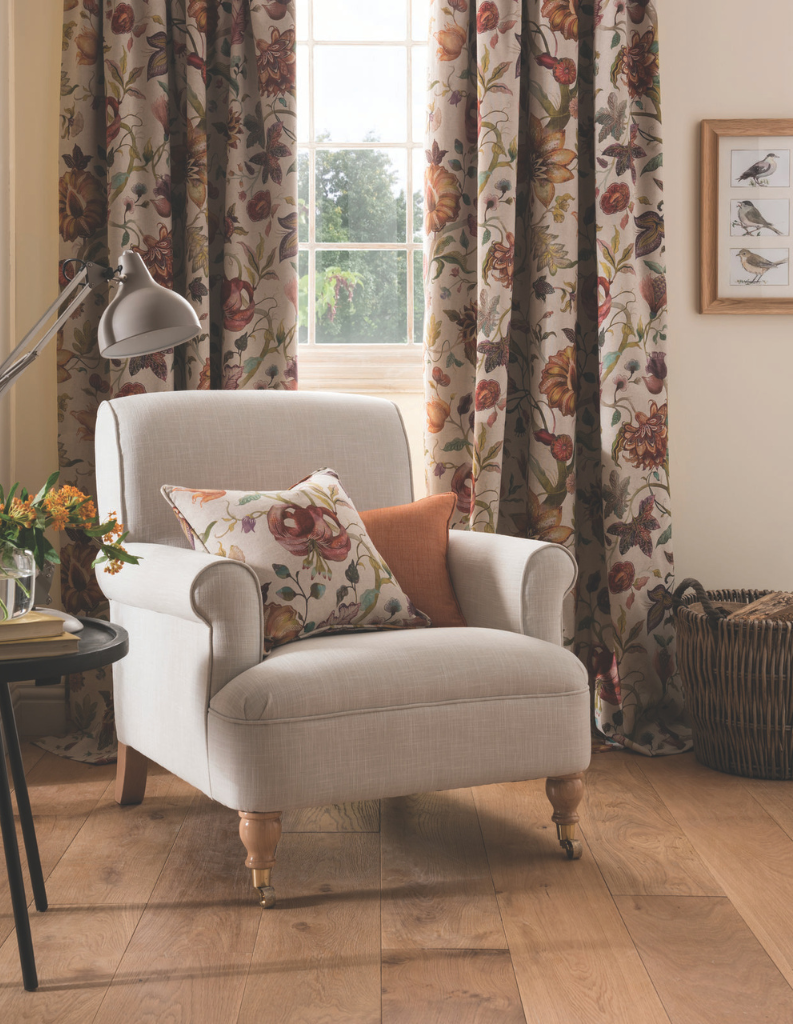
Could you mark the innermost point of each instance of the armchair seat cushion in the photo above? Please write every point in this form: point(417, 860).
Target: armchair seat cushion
point(347, 717)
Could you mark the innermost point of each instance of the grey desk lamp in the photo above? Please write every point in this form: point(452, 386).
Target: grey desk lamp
point(142, 318)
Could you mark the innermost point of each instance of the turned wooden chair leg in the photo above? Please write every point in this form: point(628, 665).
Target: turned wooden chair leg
point(565, 794)
point(130, 775)
point(260, 832)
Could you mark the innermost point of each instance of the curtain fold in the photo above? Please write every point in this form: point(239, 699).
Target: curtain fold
point(545, 327)
point(177, 141)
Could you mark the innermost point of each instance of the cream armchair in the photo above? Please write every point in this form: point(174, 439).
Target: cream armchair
point(333, 718)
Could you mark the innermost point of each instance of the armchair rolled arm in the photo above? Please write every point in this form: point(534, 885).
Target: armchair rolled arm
point(511, 583)
point(221, 593)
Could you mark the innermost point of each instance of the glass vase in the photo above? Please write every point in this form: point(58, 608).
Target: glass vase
point(17, 581)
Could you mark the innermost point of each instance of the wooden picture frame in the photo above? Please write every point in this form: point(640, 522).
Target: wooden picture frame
point(728, 266)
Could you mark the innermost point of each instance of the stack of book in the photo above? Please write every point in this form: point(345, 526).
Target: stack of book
point(35, 635)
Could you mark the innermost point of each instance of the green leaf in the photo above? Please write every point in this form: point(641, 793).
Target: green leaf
point(203, 537)
point(51, 481)
point(655, 267)
point(458, 146)
point(317, 590)
point(616, 417)
point(248, 498)
point(352, 574)
point(286, 594)
point(665, 536)
point(456, 445)
point(281, 571)
point(654, 163)
point(309, 627)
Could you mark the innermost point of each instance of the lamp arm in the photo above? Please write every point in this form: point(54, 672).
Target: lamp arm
point(9, 373)
point(34, 331)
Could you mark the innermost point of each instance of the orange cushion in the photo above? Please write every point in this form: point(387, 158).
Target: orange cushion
point(413, 541)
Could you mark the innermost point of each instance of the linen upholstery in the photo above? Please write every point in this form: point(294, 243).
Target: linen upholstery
point(414, 540)
point(373, 716)
point(195, 622)
point(511, 583)
point(346, 717)
point(268, 438)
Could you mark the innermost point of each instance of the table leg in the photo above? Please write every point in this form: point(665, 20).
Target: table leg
point(23, 799)
point(15, 881)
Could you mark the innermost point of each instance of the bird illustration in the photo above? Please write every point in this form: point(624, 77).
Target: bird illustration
point(756, 264)
point(752, 220)
point(762, 169)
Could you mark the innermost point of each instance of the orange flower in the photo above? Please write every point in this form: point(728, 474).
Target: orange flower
point(88, 46)
point(500, 260)
point(281, 623)
point(260, 206)
point(645, 444)
point(548, 160)
point(81, 204)
point(544, 523)
point(437, 414)
point(638, 63)
point(559, 381)
point(615, 198)
point(158, 256)
point(488, 393)
point(205, 14)
point(562, 16)
point(564, 71)
point(22, 512)
point(276, 63)
point(562, 448)
point(204, 496)
point(451, 40)
point(441, 198)
point(487, 16)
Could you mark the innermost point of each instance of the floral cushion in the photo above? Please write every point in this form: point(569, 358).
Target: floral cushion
point(318, 568)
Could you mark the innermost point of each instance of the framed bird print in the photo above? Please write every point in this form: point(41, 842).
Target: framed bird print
point(747, 195)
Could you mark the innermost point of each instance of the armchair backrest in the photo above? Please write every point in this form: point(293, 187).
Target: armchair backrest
point(237, 440)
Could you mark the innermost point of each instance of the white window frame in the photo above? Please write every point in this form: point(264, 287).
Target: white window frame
point(355, 367)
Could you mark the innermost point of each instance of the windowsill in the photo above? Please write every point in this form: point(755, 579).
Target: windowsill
point(361, 369)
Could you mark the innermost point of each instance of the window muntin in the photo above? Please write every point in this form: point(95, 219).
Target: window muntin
point(360, 168)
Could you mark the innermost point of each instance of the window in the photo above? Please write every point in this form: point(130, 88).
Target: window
point(361, 86)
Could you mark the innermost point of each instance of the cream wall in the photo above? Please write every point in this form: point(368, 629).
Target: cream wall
point(731, 377)
point(731, 410)
point(35, 78)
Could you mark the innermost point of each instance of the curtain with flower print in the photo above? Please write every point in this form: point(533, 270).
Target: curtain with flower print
point(545, 328)
point(177, 141)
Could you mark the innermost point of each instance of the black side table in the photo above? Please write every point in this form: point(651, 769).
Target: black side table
point(101, 643)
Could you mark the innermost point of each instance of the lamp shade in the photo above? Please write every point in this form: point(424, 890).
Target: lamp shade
point(144, 317)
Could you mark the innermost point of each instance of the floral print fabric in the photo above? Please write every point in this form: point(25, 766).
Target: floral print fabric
point(545, 328)
point(177, 141)
point(319, 570)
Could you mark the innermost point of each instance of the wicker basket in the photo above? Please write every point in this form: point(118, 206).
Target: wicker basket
point(738, 677)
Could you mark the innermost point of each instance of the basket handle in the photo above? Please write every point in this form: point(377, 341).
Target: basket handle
point(714, 614)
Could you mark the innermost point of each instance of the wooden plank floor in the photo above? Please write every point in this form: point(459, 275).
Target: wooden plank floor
point(442, 908)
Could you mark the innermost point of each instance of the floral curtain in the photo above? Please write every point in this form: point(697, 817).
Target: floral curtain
point(545, 330)
point(177, 141)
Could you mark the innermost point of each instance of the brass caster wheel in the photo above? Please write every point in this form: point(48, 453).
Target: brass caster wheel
point(267, 894)
point(572, 847)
